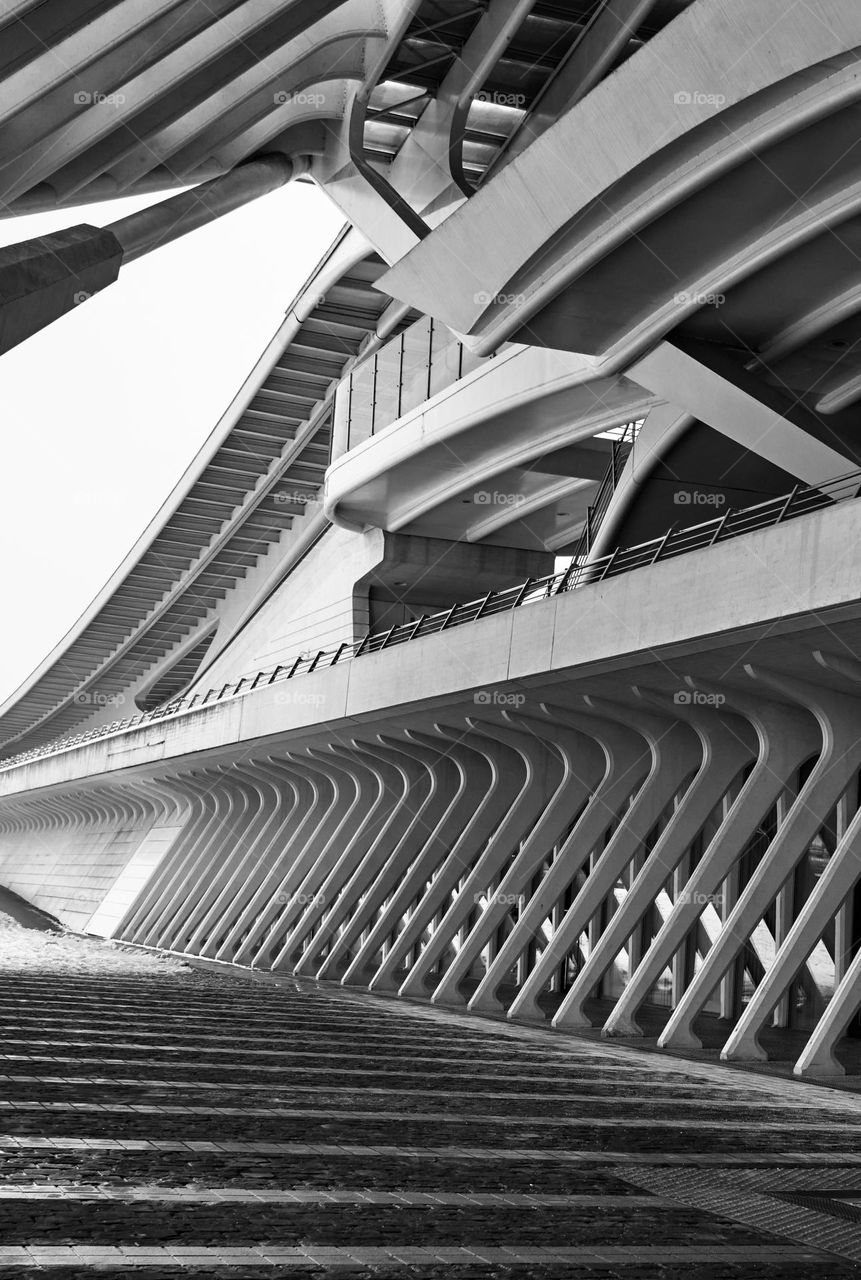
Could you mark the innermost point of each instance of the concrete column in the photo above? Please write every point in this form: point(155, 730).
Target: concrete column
point(541, 771)
point(786, 737)
point(838, 718)
point(672, 756)
point(196, 816)
point(784, 910)
point(817, 1058)
point(331, 861)
point(254, 871)
point(164, 895)
point(741, 407)
point(583, 765)
point(626, 762)
point(220, 873)
point(504, 770)
point(401, 841)
point(316, 792)
point(376, 886)
point(398, 778)
point(234, 803)
point(218, 916)
point(348, 797)
point(466, 796)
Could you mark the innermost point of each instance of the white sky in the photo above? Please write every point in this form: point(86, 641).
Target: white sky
point(103, 410)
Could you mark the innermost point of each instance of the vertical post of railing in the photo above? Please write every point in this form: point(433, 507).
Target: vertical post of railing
point(430, 355)
point(274, 675)
point(459, 361)
point(401, 374)
point(349, 409)
point(294, 668)
point(336, 655)
point(659, 549)
point(448, 617)
point(564, 578)
point(374, 396)
point(719, 530)
point(320, 653)
point(387, 637)
point(521, 595)
point(787, 504)
point(364, 640)
point(608, 565)
point(485, 602)
point(418, 626)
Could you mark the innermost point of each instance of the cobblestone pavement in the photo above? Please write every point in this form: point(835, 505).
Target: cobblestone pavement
point(192, 1123)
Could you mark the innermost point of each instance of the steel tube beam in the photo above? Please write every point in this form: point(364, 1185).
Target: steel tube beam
point(44, 278)
point(161, 223)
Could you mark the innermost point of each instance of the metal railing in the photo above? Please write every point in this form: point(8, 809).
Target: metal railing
point(621, 447)
point(675, 542)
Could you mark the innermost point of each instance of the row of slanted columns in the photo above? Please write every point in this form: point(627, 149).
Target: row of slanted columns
point(531, 856)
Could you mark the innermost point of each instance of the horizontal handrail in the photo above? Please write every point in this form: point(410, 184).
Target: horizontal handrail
point(803, 500)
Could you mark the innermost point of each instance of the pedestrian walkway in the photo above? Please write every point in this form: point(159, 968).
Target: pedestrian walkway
point(185, 1122)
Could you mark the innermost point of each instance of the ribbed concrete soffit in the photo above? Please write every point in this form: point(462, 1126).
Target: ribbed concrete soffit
point(493, 267)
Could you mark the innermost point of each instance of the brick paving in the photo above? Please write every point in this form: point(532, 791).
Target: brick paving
point(211, 1125)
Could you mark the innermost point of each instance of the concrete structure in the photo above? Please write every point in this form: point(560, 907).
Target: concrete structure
point(500, 648)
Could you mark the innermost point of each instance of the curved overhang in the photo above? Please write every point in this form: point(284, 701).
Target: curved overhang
point(134, 97)
point(636, 148)
point(511, 453)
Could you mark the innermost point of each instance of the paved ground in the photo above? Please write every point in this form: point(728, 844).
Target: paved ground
point(163, 1121)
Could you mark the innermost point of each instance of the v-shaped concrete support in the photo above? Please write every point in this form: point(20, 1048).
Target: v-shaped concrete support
point(786, 737)
point(838, 718)
point(583, 765)
point(626, 763)
point(842, 716)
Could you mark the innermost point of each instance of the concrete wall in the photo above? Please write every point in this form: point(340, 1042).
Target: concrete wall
point(312, 609)
point(68, 873)
point(133, 878)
